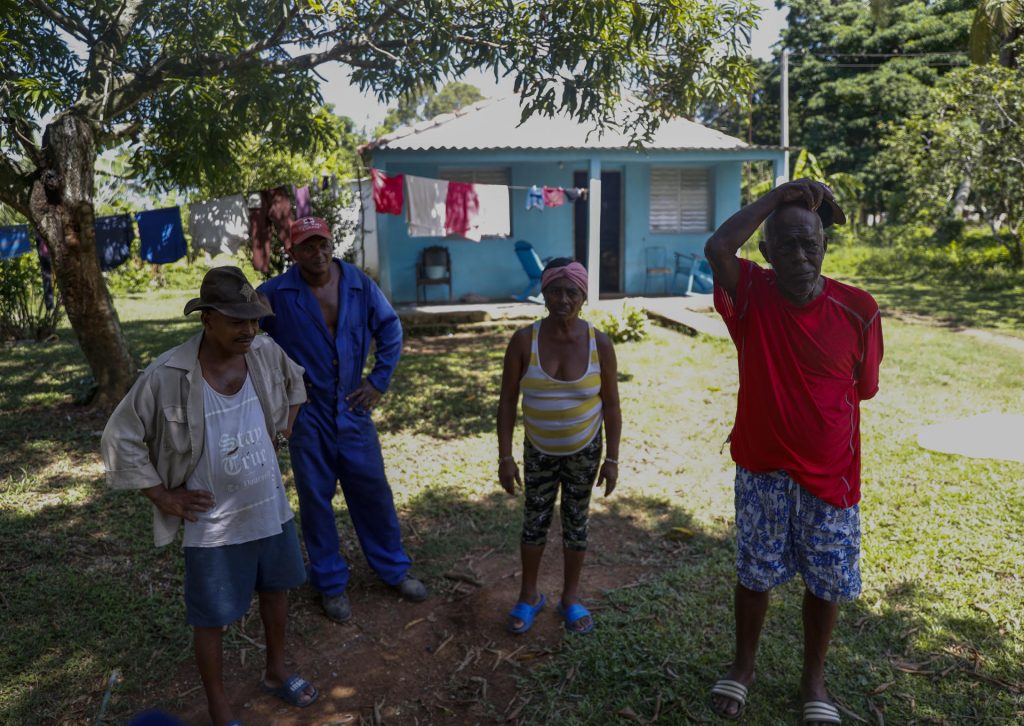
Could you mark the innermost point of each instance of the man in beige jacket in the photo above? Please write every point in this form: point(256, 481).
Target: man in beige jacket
point(197, 435)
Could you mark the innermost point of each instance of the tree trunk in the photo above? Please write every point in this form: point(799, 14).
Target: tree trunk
point(1013, 244)
point(963, 191)
point(62, 213)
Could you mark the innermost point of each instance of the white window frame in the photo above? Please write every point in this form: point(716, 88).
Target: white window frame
point(681, 200)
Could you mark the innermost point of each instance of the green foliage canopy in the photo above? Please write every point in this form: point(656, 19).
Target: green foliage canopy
point(971, 127)
point(997, 30)
point(184, 83)
point(186, 86)
point(854, 67)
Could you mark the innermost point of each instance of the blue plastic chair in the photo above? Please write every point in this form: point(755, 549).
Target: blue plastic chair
point(533, 266)
point(656, 263)
point(697, 272)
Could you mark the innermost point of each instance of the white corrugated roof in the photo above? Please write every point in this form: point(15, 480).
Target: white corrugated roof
point(495, 125)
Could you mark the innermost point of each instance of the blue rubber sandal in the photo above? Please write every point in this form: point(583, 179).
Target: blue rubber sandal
point(525, 612)
point(572, 615)
point(294, 691)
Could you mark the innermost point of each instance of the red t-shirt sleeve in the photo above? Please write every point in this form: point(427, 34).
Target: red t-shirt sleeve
point(734, 311)
point(867, 374)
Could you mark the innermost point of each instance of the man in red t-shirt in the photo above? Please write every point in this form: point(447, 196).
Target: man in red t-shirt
point(809, 350)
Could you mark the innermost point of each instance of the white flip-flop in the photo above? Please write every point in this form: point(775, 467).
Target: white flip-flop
point(734, 691)
point(821, 712)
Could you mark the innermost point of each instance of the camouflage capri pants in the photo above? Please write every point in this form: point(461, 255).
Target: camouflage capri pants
point(576, 474)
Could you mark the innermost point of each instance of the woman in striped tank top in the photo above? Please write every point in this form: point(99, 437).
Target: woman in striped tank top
point(566, 372)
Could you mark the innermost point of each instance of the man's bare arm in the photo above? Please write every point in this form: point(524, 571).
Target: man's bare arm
point(721, 248)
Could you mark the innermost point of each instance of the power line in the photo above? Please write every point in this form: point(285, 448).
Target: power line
point(949, 64)
point(883, 55)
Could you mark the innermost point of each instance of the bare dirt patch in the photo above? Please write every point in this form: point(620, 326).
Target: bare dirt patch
point(446, 661)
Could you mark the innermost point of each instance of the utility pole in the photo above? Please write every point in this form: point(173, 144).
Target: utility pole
point(784, 105)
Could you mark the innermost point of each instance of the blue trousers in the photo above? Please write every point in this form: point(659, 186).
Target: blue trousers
point(354, 458)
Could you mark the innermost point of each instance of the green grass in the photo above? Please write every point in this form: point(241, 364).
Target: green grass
point(943, 579)
point(936, 637)
point(976, 290)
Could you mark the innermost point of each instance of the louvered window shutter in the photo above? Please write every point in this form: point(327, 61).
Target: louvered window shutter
point(476, 176)
point(681, 200)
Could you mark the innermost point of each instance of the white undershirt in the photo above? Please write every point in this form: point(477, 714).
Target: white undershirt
point(239, 467)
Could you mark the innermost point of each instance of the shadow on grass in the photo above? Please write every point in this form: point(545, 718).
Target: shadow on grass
point(147, 339)
point(90, 594)
point(38, 374)
point(43, 374)
point(452, 384)
point(37, 437)
point(953, 303)
point(86, 594)
point(443, 525)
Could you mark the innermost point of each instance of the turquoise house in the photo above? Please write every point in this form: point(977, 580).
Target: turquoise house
point(653, 203)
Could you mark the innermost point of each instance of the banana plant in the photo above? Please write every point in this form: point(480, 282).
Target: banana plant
point(846, 187)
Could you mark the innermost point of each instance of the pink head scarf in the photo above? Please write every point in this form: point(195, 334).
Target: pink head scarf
point(574, 272)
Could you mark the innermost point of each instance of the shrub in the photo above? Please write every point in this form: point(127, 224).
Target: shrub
point(133, 277)
point(912, 252)
point(629, 325)
point(137, 276)
point(23, 312)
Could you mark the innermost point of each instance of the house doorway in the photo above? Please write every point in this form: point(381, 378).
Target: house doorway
point(611, 228)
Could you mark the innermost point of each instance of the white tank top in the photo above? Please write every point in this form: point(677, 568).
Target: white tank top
point(239, 467)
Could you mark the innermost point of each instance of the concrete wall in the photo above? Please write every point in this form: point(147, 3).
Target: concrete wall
point(491, 269)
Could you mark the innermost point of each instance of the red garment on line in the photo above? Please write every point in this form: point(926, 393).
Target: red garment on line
point(275, 211)
point(554, 196)
point(388, 192)
point(803, 372)
point(462, 206)
point(303, 206)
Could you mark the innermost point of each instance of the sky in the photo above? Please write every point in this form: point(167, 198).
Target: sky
point(367, 112)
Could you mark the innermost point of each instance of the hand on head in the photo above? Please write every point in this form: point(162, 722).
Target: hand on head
point(805, 191)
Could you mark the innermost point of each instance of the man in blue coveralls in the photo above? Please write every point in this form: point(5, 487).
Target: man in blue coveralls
point(326, 313)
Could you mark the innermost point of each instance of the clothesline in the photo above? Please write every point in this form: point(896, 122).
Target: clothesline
point(447, 208)
point(534, 186)
point(215, 225)
point(444, 208)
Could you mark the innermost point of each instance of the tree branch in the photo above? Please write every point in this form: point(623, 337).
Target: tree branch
point(70, 25)
point(119, 133)
point(129, 89)
point(15, 185)
point(22, 132)
point(273, 39)
point(100, 70)
point(133, 88)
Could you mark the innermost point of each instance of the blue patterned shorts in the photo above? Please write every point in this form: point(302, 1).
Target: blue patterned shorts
point(782, 530)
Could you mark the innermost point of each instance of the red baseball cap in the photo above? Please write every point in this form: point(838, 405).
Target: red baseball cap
point(303, 229)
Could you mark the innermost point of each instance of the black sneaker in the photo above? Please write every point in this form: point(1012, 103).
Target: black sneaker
point(412, 589)
point(337, 607)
